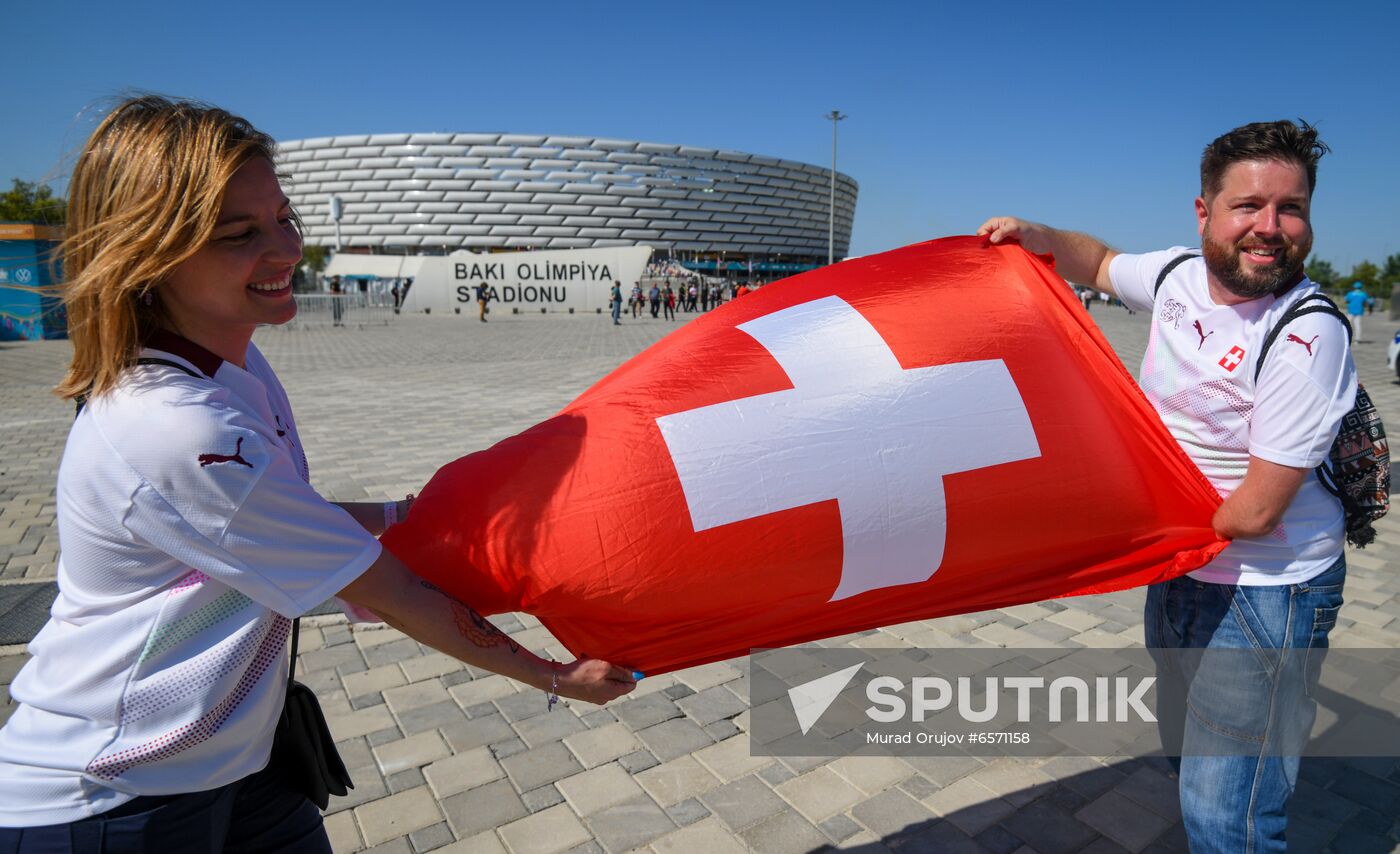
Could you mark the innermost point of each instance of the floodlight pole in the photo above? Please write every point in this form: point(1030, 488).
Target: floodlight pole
point(835, 116)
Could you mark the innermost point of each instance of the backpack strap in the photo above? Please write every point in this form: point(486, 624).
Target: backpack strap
point(81, 400)
point(1310, 304)
point(1172, 265)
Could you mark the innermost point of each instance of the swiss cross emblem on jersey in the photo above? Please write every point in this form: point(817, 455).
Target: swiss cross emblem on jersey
point(1232, 359)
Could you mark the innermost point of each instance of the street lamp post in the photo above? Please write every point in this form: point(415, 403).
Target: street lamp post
point(835, 116)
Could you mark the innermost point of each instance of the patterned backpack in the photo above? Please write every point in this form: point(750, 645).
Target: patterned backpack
point(1357, 469)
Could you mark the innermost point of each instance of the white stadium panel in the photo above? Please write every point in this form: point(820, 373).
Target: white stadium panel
point(526, 242)
point(541, 219)
point(525, 208)
point(474, 139)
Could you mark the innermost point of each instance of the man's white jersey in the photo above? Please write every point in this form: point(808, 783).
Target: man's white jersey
point(1198, 372)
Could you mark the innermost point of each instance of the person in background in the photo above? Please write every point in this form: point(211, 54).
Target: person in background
point(483, 300)
point(190, 534)
point(615, 303)
point(1356, 307)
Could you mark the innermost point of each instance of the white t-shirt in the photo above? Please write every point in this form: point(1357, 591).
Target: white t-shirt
point(1198, 372)
point(189, 537)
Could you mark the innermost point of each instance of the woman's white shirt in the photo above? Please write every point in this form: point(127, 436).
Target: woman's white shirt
point(189, 538)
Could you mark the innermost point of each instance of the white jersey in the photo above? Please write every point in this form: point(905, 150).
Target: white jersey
point(189, 537)
point(1198, 373)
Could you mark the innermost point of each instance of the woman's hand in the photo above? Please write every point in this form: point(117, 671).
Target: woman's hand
point(593, 680)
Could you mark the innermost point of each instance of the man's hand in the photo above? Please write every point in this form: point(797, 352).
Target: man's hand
point(1032, 235)
point(1078, 257)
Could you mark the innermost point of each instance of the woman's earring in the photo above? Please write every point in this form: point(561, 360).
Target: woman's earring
point(146, 298)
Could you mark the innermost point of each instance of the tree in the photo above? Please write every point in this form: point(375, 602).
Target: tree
point(29, 202)
point(1390, 274)
point(1369, 275)
point(314, 257)
point(1321, 272)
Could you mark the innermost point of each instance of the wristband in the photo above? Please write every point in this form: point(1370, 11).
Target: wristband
point(391, 511)
point(553, 696)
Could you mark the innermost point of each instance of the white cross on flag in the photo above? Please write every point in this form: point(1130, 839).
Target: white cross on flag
point(930, 431)
point(855, 427)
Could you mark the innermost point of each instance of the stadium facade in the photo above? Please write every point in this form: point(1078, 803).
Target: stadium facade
point(433, 193)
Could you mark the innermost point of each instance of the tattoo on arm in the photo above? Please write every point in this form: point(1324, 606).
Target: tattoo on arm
point(472, 625)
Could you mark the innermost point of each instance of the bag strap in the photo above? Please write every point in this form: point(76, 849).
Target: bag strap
point(292, 671)
point(1172, 265)
point(81, 400)
point(1310, 304)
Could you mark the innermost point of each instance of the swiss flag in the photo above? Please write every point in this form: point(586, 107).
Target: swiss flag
point(930, 431)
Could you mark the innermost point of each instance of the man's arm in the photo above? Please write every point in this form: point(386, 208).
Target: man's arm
point(1257, 506)
point(429, 615)
point(1078, 257)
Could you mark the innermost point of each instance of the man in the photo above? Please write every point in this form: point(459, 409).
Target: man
point(615, 302)
point(654, 297)
point(1278, 585)
point(483, 296)
point(1356, 306)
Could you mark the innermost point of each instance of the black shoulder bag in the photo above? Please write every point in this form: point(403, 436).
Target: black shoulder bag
point(303, 747)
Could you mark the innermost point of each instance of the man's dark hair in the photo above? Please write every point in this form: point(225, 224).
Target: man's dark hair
point(1282, 140)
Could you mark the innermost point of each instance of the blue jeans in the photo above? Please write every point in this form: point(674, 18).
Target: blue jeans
point(1246, 715)
point(254, 815)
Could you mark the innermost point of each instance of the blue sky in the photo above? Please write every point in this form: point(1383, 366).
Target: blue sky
point(1083, 115)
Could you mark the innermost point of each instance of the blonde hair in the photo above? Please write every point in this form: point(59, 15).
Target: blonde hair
point(144, 197)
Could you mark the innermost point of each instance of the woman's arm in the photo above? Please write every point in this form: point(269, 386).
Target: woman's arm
point(429, 615)
point(375, 516)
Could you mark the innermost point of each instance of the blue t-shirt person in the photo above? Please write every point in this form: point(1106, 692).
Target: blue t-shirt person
point(1356, 300)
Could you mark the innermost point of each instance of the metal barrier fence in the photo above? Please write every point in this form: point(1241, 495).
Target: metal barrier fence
point(351, 309)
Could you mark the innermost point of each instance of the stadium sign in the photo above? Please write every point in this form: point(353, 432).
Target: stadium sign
point(577, 280)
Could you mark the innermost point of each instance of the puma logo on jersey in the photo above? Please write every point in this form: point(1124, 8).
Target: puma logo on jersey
point(1201, 332)
point(235, 457)
point(1307, 345)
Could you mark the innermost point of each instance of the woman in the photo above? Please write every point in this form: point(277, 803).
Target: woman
point(190, 535)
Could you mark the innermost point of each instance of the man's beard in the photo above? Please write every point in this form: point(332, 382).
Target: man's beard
point(1223, 261)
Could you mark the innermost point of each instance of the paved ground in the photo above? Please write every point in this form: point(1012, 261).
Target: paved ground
point(450, 759)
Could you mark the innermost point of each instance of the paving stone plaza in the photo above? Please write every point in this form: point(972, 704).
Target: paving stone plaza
point(447, 758)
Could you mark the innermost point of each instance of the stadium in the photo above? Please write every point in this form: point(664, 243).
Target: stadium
point(711, 211)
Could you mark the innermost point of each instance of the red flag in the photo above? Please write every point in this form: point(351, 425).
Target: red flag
point(930, 431)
